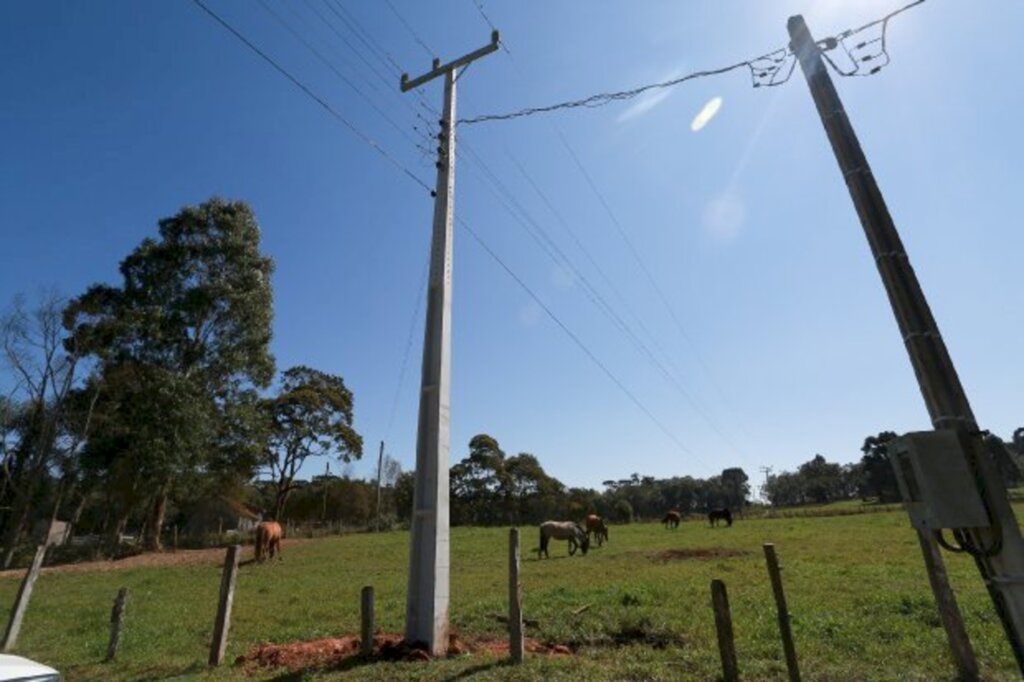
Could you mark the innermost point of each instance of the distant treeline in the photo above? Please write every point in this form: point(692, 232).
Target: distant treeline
point(153, 406)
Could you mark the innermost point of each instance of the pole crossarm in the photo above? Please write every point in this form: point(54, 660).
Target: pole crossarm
point(441, 69)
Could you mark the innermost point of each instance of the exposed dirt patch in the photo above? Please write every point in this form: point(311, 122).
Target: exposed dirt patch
point(183, 557)
point(343, 652)
point(666, 555)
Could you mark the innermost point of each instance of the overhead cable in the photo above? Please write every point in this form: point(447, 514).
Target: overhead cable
point(312, 95)
point(769, 70)
point(575, 339)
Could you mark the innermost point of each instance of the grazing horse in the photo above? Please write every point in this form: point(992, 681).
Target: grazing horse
point(268, 540)
point(672, 519)
point(596, 525)
point(563, 530)
point(716, 515)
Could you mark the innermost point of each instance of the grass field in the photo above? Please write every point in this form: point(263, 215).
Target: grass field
point(861, 605)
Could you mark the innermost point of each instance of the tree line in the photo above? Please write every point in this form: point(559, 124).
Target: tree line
point(128, 406)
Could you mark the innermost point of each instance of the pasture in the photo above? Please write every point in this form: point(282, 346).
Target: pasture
point(855, 583)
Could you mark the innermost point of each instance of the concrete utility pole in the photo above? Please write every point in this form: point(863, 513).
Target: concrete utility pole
point(426, 609)
point(380, 470)
point(767, 471)
point(997, 548)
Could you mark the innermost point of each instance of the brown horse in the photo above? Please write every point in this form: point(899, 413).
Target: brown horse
point(595, 526)
point(672, 519)
point(268, 540)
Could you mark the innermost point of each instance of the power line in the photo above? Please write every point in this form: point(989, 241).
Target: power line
point(559, 257)
point(345, 79)
point(769, 70)
point(312, 95)
point(352, 48)
point(764, 72)
point(575, 339)
point(672, 379)
point(645, 350)
point(480, 8)
point(412, 32)
point(408, 347)
point(364, 37)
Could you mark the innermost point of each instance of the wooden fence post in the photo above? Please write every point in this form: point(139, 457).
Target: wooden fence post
point(515, 598)
point(775, 574)
point(21, 603)
point(116, 623)
point(227, 598)
point(366, 614)
point(175, 537)
point(723, 624)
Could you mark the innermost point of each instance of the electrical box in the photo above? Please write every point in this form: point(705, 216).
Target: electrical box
point(937, 484)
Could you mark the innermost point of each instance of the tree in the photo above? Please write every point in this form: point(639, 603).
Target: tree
point(37, 433)
point(479, 485)
point(191, 318)
point(735, 487)
point(822, 480)
point(311, 416)
point(878, 479)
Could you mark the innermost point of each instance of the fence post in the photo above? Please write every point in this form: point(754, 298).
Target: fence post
point(116, 623)
point(775, 574)
point(175, 537)
point(723, 624)
point(515, 597)
point(366, 613)
point(227, 598)
point(21, 603)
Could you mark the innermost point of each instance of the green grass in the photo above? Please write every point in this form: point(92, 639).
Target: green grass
point(856, 587)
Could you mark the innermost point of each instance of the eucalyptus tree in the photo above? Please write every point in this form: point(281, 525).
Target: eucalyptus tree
point(182, 340)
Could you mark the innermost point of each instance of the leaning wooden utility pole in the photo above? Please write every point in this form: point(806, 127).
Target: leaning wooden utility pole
point(426, 610)
point(993, 536)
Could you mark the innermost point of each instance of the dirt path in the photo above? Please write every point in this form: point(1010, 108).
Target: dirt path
point(183, 557)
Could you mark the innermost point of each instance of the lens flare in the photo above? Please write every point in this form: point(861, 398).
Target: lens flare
point(706, 114)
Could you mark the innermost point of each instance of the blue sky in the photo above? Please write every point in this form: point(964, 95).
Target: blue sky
point(116, 114)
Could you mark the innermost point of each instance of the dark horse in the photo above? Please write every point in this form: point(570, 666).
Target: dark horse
point(716, 515)
point(672, 519)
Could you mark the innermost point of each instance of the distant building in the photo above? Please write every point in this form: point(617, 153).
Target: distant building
point(220, 514)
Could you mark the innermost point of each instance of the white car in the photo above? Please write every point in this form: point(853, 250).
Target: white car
point(19, 669)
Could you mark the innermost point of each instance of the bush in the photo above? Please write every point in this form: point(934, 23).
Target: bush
point(623, 511)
